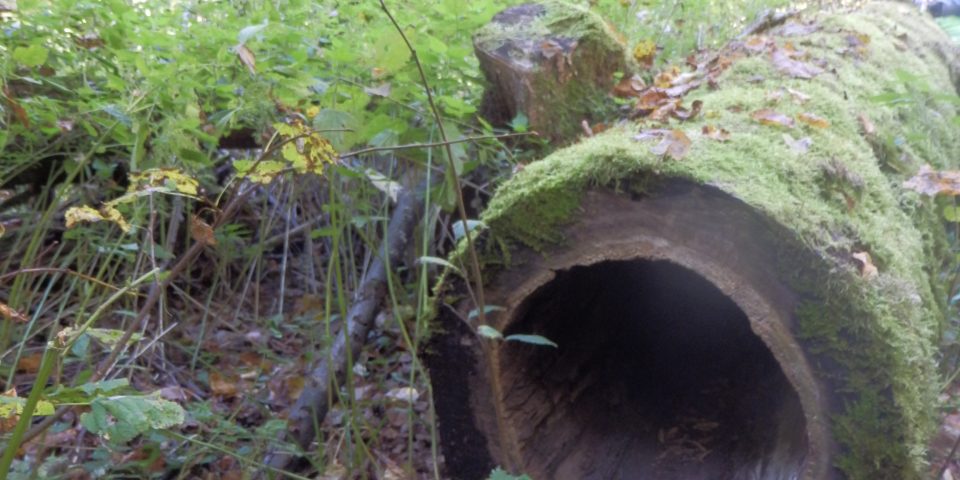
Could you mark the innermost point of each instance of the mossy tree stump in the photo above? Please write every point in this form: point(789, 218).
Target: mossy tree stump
point(552, 62)
point(714, 315)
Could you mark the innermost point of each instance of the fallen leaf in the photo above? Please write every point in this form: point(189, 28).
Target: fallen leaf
point(651, 99)
point(247, 57)
point(222, 386)
point(866, 125)
point(173, 393)
point(756, 43)
point(800, 146)
point(403, 394)
point(89, 41)
point(867, 268)
point(775, 96)
point(30, 363)
point(683, 114)
point(795, 29)
point(645, 52)
point(675, 145)
point(656, 133)
point(10, 313)
point(201, 231)
point(629, 87)
point(783, 61)
point(665, 78)
point(930, 182)
point(714, 133)
point(773, 118)
point(813, 120)
point(798, 96)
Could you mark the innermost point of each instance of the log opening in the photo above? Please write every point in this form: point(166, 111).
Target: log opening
point(658, 375)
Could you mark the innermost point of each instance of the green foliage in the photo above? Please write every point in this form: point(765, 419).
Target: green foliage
point(121, 418)
point(499, 474)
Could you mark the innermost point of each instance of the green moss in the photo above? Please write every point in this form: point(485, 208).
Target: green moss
point(560, 19)
point(568, 90)
point(873, 339)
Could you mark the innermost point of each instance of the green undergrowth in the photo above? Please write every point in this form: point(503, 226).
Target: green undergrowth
point(873, 339)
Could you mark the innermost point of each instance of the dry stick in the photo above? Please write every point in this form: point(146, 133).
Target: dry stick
point(312, 405)
point(491, 353)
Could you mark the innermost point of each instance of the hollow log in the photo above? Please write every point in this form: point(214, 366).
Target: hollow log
point(747, 309)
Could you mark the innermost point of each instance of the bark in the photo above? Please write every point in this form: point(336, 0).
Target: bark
point(329, 370)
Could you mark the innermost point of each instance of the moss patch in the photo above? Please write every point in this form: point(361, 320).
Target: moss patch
point(873, 339)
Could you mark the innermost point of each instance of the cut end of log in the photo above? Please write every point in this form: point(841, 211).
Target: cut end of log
point(657, 375)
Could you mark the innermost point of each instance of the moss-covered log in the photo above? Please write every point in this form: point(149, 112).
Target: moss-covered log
point(714, 313)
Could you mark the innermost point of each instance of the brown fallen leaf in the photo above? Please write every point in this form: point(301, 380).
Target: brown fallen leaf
point(675, 145)
point(629, 87)
point(772, 118)
point(223, 386)
point(931, 182)
point(867, 268)
point(813, 120)
point(683, 114)
point(7, 312)
point(782, 59)
point(651, 134)
point(714, 133)
point(247, 58)
point(756, 43)
point(796, 29)
point(30, 363)
point(202, 231)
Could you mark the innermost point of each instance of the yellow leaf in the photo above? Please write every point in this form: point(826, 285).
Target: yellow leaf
point(813, 120)
point(83, 213)
point(644, 52)
point(114, 215)
point(170, 178)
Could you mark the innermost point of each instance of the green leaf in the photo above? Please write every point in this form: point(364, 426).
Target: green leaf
point(14, 406)
point(951, 213)
point(110, 337)
point(247, 32)
point(392, 52)
point(439, 261)
point(121, 418)
point(520, 123)
point(532, 339)
point(32, 56)
point(486, 311)
point(487, 331)
point(87, 392)
point(500, 474)
point(459, 231)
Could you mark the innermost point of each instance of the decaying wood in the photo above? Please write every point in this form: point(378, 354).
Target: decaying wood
point(329, 370)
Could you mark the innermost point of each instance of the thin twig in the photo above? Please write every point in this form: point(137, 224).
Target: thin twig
point(445, 143)
point(492, 353)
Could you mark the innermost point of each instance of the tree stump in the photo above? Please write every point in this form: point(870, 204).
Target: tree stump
point(552, 62)
point(748, 309)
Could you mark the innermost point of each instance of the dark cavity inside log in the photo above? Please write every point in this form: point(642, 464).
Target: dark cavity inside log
point(658, 375)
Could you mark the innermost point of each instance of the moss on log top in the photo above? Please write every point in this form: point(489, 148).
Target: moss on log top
point(842, 196)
